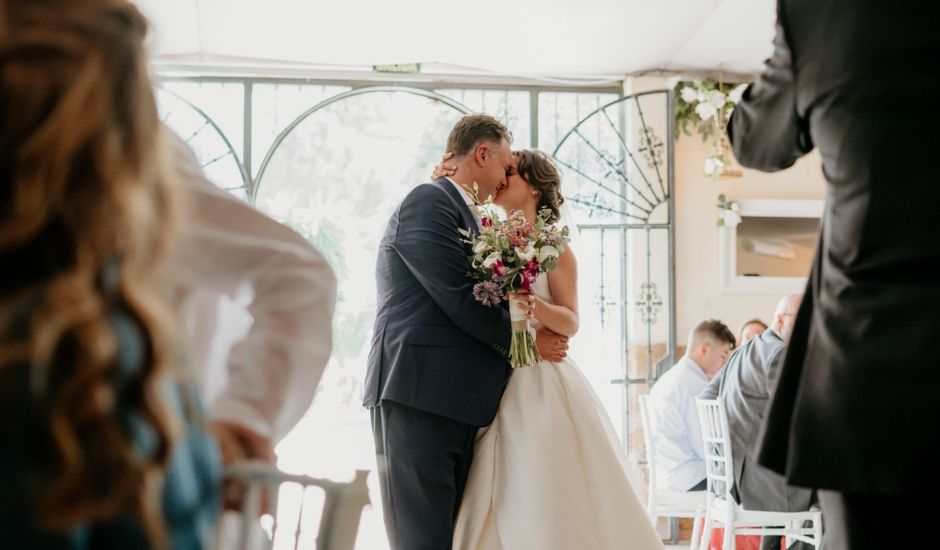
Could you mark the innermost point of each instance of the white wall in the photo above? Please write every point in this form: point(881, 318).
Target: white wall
point(697, 289)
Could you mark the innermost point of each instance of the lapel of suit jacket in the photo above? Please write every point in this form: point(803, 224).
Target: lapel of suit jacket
point(469, 221)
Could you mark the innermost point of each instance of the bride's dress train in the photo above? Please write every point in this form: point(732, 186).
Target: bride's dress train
point(549, 473)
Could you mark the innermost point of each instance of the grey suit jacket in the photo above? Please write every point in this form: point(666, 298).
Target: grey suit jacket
point(745, 385)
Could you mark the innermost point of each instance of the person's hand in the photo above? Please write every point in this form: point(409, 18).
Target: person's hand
point(240, 443)
point(526, 302)
point(552, 346)
point(444, 169)
point(236, 442)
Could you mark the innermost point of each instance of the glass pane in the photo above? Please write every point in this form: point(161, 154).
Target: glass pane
point(275, 106)
point(614, 163)
point(336, 179)
point(510, 107)
point(599, 345)
point(560, 111)
point(210, 117)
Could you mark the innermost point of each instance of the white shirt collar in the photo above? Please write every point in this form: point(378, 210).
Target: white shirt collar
point(463, 193)
point(691, 365)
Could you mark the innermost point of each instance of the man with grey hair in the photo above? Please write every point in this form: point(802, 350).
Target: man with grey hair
point(745, 386)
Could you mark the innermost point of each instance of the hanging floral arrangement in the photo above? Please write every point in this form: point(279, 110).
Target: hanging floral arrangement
point(704, 107)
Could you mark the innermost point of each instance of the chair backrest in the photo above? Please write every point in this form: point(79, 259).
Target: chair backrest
point(716, 441)
point(649, 428)
point(339, 519)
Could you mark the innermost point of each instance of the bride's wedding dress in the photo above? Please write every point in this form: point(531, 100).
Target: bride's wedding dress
point(549, 472)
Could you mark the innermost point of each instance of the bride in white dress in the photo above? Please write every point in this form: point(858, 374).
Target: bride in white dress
point(549, 473)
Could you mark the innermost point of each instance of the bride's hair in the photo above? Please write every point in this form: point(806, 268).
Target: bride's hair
point(539, 171)
point(86, 215)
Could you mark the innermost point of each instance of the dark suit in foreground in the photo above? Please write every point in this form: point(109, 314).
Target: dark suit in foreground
point(857, 400)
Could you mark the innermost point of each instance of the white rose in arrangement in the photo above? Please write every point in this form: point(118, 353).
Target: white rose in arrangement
point(490, 260)
point(479, 247)
point(547, 252)
point(716, 99)
point(689, 94)
point(713, 166)
point(705, 111)
point(730, 218)
point(734, 207)
point(527, 254)
point(737, 93)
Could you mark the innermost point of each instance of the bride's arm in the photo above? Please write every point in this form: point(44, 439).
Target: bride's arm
point(562, 316)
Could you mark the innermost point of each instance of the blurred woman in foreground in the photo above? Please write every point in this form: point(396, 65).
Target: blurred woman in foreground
point(100, 446)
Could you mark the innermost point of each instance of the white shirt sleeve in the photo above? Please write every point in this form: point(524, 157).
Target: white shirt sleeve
point(273, 371)
point(693, 428)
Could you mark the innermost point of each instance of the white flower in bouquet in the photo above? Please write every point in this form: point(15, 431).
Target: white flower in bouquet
point(526, 254)
point(547, 252)
point(510, 267)
point(737, 93)
point(491, 259)
point(717, 99)
point(689, 94)
point(705, 111)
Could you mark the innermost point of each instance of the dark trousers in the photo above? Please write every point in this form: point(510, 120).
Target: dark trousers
point(423, 462)
point(859, 521)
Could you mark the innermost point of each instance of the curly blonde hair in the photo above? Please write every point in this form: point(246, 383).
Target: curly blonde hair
point(87, 209)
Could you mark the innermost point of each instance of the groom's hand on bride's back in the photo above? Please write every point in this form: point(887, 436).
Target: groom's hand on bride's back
point(552, 346)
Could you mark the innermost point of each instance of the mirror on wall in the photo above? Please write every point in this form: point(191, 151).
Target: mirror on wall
point(771, 248)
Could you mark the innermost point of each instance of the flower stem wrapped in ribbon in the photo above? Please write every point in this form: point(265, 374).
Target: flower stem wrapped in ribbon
point(508, 256)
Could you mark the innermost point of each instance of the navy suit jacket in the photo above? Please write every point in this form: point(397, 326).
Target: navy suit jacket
point(434, 347)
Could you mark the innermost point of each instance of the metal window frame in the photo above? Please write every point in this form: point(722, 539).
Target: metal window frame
point(252, 182)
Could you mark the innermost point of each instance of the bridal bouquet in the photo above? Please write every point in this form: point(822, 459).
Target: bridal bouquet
point(508, 255)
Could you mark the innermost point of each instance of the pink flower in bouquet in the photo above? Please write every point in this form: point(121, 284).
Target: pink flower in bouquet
point(517, 229)
point(500, 270)
point(529, 274)
point(532, 267)
point(486, 222)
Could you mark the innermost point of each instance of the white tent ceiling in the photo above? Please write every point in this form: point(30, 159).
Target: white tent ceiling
point(544, 38)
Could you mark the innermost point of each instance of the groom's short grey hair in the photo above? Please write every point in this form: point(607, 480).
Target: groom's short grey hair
point(472, 130)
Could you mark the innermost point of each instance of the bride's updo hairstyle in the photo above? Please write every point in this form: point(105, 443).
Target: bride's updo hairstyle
point(539, 171)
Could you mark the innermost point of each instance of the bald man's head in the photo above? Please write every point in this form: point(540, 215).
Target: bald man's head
point(785, 315)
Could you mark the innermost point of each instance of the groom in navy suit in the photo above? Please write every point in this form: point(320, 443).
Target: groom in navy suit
point(439, 359)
